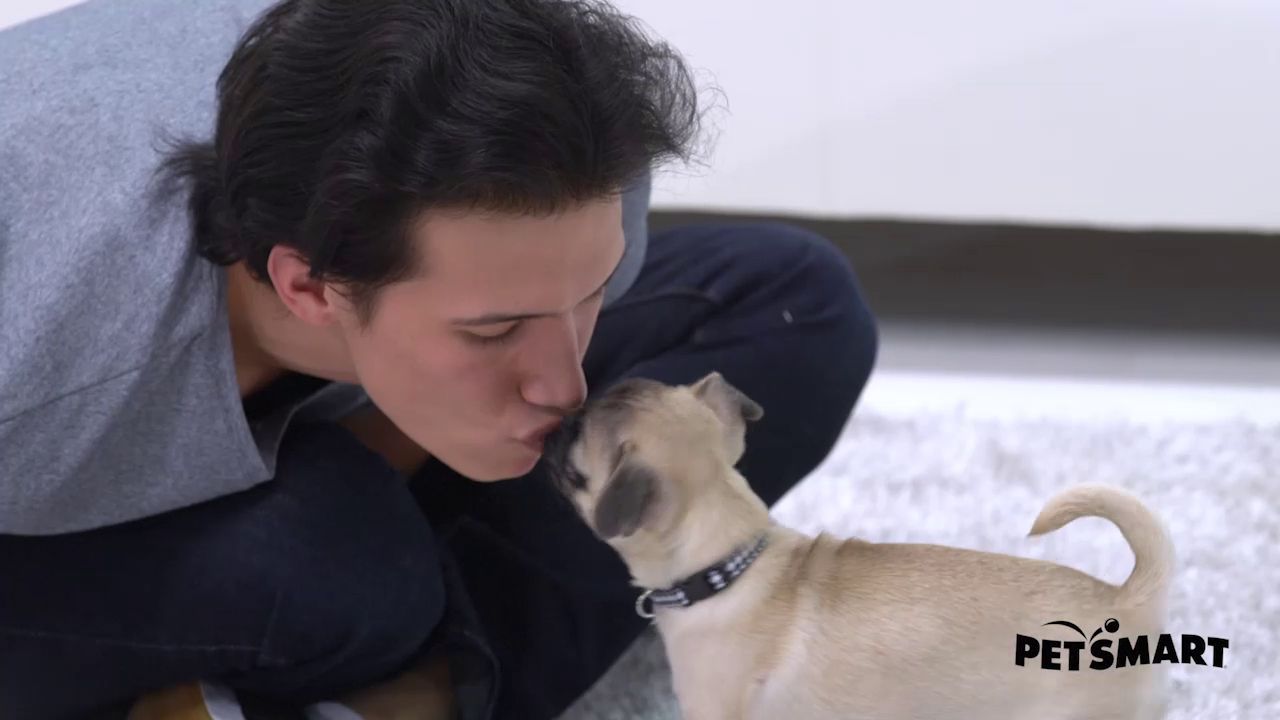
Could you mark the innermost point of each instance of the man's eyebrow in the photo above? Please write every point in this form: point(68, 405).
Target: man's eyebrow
point(495, 318)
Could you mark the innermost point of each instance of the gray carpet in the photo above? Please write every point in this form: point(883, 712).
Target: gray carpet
point(978, 482)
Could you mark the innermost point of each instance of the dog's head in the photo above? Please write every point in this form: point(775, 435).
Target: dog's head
point(645, 457)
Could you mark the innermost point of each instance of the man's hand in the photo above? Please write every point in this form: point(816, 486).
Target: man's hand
point(379, 434)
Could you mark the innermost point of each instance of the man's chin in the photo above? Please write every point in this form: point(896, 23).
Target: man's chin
point(500, 466)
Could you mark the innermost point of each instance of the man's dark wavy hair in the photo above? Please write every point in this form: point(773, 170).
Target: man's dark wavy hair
point(339, 122)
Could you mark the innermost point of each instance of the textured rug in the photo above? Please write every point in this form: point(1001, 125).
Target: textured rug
point(952, 477)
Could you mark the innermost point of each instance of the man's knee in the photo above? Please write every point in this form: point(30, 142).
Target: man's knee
point(853, 338)
point(363, 606)
point(817, 286)
point(813, 340)
point(355, 571)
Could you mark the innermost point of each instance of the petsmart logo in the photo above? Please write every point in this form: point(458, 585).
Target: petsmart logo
point(1127, 653)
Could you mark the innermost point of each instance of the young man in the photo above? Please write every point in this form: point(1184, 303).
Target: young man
point(272, 403)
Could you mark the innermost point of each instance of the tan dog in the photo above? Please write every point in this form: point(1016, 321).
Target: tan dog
point(776, 625)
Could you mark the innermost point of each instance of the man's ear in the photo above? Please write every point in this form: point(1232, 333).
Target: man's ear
point(729, 403)
point(308, 298)
point(627, 499)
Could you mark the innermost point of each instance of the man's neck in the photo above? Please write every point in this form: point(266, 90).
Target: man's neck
point(268, 342)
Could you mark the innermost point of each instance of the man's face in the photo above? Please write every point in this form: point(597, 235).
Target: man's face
point(477, 357)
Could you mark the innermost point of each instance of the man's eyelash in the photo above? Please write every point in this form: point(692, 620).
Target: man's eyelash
point(509, 335)
point(490, 340)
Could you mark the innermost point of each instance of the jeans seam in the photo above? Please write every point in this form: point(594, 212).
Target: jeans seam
point(263, 656)
point(16, 632)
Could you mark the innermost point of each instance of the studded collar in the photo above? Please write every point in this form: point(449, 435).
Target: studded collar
point(703, 584)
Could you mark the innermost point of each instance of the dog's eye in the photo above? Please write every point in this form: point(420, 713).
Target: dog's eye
point(567, 476)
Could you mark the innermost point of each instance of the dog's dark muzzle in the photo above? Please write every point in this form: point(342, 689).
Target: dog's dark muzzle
point(555, 454)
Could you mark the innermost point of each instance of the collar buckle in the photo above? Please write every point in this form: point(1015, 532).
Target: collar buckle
point(644, 605)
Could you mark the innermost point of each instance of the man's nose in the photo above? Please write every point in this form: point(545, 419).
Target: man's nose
point(554, 377)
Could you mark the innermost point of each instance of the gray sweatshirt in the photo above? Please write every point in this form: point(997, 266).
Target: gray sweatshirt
point(118, 396)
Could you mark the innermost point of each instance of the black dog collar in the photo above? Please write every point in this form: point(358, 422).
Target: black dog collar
point(704, 584)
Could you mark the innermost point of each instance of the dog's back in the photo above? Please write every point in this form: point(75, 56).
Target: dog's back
point(907, 630)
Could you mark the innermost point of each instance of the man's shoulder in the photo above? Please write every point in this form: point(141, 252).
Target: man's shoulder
point(96, 270)
point(90, 88)
point(93, 94)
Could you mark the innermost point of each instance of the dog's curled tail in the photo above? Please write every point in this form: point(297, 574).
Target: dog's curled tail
point(1153, 552)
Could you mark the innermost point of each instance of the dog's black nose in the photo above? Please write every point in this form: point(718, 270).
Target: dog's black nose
point(556, 447)
point(555, 453)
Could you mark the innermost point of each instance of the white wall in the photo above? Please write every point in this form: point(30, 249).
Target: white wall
point(13, 12)
point(1115, 112)
point(1112, 112)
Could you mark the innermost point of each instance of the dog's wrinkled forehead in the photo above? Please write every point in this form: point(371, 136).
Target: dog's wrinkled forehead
point(608, 416)
point(611, 412)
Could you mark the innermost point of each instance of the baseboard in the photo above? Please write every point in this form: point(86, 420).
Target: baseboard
point(1087, 279)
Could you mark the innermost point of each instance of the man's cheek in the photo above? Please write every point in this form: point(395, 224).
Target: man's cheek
point(587, 329)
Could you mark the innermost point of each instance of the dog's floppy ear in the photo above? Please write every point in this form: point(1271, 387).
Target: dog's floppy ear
point(728, 402)
point(627, 499)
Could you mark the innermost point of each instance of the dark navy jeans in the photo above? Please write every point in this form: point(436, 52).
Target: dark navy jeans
point(339, 572)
